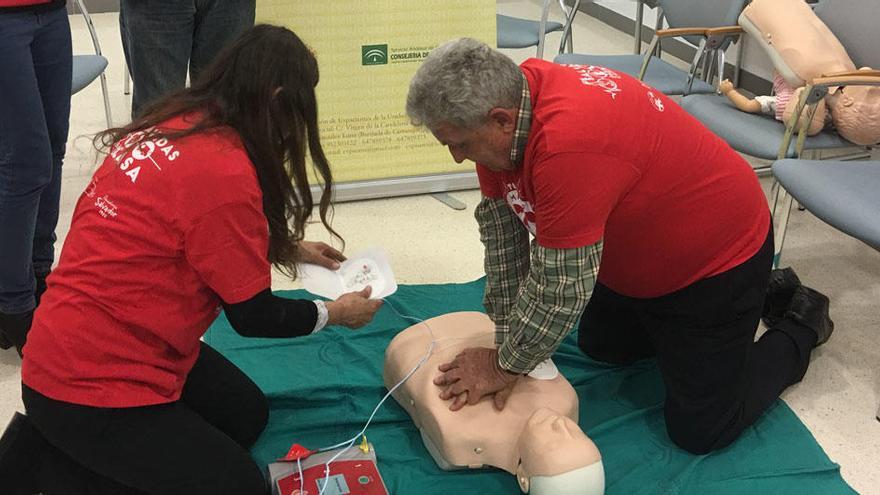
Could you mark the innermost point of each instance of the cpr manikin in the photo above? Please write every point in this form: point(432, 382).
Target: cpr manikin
point(535, 437)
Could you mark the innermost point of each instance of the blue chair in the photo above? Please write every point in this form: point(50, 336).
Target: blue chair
point(87, 68)
point(700, 23)
point(854, 23)
point(514, 32)
point(841, 194)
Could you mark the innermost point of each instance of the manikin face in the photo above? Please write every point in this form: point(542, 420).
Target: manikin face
point(552, 444)
point(547, 432)
point(488, 144)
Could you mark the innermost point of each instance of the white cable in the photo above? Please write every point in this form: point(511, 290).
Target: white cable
point(301, 480)
point(350, 443)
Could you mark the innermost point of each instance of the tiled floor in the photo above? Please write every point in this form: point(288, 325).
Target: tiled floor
point(430, 243)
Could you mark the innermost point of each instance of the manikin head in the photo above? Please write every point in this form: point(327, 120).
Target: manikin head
point(467, 94)
point(556, 457)
point(855, 111)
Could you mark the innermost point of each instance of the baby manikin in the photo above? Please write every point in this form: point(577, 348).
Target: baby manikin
point(535, 437)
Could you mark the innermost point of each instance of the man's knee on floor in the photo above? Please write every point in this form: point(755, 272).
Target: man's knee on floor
point(695, 442)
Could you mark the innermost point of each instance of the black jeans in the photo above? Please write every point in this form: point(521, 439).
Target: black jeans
point(718, 379)
point(197, 445)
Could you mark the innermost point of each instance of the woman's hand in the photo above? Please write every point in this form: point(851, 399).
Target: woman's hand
point(353, 310)
point(320, 253)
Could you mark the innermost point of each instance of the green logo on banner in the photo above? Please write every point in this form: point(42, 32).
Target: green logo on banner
point(374, 54)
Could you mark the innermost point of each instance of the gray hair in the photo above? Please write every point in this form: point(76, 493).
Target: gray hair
point(459, 82)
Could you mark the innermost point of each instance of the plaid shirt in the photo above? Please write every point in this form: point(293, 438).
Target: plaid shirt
point(533, 294)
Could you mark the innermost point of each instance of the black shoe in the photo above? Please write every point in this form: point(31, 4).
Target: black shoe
point(14, 329)
point(780, 289)
point(20, 449)
point(810, 308)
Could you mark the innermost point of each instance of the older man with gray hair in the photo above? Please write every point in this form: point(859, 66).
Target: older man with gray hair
point(595, 165)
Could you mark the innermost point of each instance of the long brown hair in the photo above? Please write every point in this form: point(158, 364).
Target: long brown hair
point(263, 86)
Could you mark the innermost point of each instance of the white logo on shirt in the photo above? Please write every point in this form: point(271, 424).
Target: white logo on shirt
point(144, 151)
point(522, 208)
point(656, 101)
point(140, 150)
point(106, 207)
point(593, 75)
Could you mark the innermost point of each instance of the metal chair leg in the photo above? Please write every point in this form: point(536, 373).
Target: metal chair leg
point(566, 44)
point(708, 64)
point(698, 56)
point(721, 61)
point(737, 68)
point(782, 209)
point(106, 100)
point(658, 50)
point(640, 15)
point(542, 29)
point(126, 85)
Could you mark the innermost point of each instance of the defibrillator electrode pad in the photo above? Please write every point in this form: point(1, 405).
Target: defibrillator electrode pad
point(370, 267)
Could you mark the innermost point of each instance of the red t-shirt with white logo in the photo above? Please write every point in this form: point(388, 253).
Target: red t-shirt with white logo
point(611, 158)
point(163, 233)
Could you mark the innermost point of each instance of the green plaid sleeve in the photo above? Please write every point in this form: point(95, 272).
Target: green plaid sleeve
point(506, 260)
point(549, 302)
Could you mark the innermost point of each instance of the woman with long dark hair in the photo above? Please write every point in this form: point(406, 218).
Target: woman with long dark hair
point(194, 201)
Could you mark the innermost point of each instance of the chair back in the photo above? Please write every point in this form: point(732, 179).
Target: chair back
point(855, 23)
point(702, 13)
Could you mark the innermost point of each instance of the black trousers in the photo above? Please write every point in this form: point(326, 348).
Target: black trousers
point(197, 445)
point(718, 379)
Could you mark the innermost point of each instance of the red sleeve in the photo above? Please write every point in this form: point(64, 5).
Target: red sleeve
point(490, 186)
point(574, 194)
point(228, 247)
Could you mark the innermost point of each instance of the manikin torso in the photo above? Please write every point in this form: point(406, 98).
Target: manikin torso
point(537, 427)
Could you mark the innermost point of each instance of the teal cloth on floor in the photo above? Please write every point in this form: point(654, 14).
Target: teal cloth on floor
point(322, 388)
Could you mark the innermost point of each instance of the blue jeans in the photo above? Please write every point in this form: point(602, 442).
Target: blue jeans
point(162, 38)
point(35, 80)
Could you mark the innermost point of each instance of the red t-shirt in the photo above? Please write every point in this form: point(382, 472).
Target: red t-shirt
point(161, 235)
point(30, 5)
point(22, 3)
point(611, 158)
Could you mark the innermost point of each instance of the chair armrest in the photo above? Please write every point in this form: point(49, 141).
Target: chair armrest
point(725, 30)
point(688, 31)
point(860, 77)
point(701, 31)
